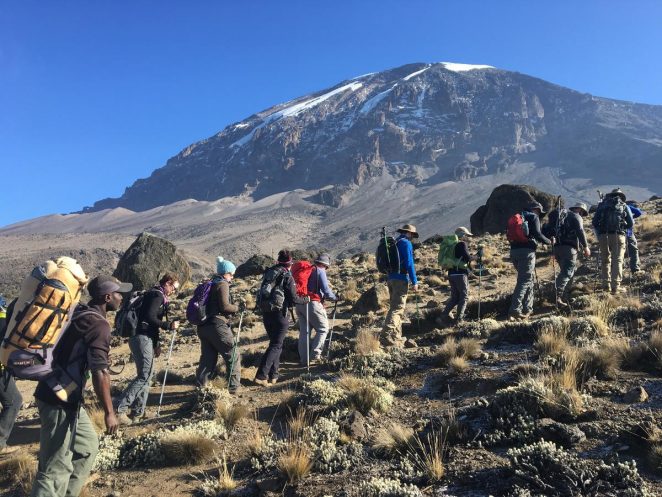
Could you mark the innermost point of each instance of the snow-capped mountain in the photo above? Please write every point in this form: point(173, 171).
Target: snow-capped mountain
point(422, 124)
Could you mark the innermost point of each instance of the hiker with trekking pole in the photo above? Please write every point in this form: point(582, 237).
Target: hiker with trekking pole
point(277, 295)
point(454, 257)
point(215, 333)
point(311, 281)
point(611, 221)
point(145, 345)
point(523, 233)
point(567, 228)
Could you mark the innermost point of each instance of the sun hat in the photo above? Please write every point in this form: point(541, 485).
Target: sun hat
point(409, 228)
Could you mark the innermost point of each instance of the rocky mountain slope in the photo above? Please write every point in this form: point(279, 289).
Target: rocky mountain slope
point(564, 404)
point(420, 123)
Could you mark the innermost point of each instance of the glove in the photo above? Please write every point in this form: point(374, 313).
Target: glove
point(338, 297)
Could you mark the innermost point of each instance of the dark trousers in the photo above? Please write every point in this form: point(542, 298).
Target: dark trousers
point(459, 295)
point(216, 339)
point(276, 325)
point(11, 401)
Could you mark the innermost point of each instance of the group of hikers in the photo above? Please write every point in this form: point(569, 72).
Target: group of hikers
point(68, 441)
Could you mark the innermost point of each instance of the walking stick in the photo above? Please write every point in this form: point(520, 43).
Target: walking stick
point(418, 313)
point(333, 324)
point(165, 375)
point(235, 345)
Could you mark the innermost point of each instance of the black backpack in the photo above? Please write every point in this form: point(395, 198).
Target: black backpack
point(127, 318)
point(610, 216)
point(271, 294)
point(388, 257)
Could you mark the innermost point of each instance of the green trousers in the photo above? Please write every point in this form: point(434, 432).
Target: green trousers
point(63, 468)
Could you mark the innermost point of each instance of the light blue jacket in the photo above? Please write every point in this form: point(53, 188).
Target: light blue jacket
point(407, 269)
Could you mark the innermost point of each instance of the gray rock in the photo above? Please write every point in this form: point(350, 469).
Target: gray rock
point(373, 299)
point(147, 259)
point(559, 433)
point(254, 266)
point(410, 344)
point(354, 425)
point(636, 395)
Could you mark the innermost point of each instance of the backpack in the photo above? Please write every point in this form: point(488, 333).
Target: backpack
point(610, 216)
point(196, 309)
point(518, 228)
point(301, 272)
point(48, 297)
point(271, 294)
point(387, 256)
point(127, 318)
point(446, 257)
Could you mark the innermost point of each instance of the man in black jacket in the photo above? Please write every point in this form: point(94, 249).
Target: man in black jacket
point(145, 347)
point(523, 255)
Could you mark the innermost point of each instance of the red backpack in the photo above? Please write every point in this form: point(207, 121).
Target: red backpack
point(301, 272)
point(518, 229)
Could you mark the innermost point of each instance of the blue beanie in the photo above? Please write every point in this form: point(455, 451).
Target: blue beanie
point(223, 266)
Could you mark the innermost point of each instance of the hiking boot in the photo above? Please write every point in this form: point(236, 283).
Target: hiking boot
point(517, 316)
point(617, 290)
point(273, 381)
point(561, 302)
point(136, 418)
point(7, 450)
point(123, 419)
point(317, 357)
point(261, 381)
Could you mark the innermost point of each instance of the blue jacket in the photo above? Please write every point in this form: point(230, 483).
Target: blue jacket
point(407, 269)
point(636, 212)
point(318, 284)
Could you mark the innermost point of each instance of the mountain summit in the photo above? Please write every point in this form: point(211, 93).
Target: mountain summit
point(420, 123)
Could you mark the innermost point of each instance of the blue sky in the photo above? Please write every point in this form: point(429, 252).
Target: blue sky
point(94, 95)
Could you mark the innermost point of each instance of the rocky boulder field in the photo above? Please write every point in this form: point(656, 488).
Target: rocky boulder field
point(564, 404)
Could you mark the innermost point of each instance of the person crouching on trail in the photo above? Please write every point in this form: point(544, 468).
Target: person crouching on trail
point(567, 227)
point(524, 237)
point(145, 347)
point(398, 287)
point(216, 337)
point(65, 463)
point(277, 322)
point(458, 275)
point(318, 291)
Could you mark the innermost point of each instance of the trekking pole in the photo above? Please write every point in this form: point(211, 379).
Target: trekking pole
point(235, 345)
point(165, 375)
point(556, 235)
point(418, 312)
point(333, 323)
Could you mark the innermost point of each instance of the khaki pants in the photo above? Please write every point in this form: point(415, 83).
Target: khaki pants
point(398, 290)
point(612, 253)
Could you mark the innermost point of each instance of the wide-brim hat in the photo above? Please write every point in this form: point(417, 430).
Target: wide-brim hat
point(462, 231)
point(323, 259)
point(582, 206)
point(535, 205)
point(617, 192)
point(409, 228)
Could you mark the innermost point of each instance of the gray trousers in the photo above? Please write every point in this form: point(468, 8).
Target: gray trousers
point(216, 339)
point(633, 253)
point(524, 260)
point(135, 395)
point(318, 321)
point(63, 472)
point(459, 295)
point(11, 401)
point(566, 256)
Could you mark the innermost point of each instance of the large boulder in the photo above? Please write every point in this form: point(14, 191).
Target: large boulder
point(374, 299)
point(254, 266)
point(148, 259)
point(505, 201)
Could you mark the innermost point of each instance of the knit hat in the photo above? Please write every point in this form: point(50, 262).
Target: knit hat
point(224, 267)
point(462, 231)
point(581, 206)
point(284, 257)
point(323, 259)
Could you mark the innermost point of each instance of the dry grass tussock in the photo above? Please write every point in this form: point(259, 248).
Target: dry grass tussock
point(185, 448)
point(97, 416)
point(428, 455)
point(229, 413)
point(254, 440)
point(551, 343)
point(295, 462)
point(650, 228)
point(458, 364)
point(222, 485)
point(364, 395)
point(367, 343)
point(19, 471)
point(454, 351)
point(393, 439)
point(602, 308)
point(297, 423)
point(351, 293)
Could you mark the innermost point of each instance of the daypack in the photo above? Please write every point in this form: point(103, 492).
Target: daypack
point(301, 272)
point(387, 256)
point(446, 257)
point(271, 294)
point(45, 304)
point(610, 216)
point(196, 309)
point(127, 318)
point(518, 228)
point(558, 226)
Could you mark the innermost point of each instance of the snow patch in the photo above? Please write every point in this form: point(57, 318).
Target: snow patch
point(414, 74)
point(371, 103)
point(455, 67)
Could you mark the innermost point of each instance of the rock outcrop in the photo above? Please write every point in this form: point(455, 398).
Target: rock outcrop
point(148, 259)
point(505, 201)
point(254, 266)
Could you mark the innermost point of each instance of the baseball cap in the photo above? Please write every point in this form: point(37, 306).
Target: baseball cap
point(105, 285)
